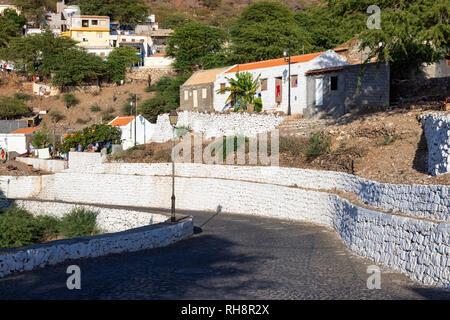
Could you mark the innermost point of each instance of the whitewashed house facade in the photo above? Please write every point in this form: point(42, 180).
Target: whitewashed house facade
point(274, 76)
point(143, 128)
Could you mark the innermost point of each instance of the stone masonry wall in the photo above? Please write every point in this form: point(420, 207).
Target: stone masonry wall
point(437, 132)
point(217, 124)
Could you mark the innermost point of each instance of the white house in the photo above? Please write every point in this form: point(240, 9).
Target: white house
point(17, 140)
point(274, 76)
point(140, 131)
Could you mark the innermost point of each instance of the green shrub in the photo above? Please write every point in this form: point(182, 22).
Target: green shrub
point(318, 145)
point(79, 222)
point(82, 121)
point(22, 96)
point(48, 225)
point(56, 116)
point(295, 146)
point(11, 108)
point(15, 211)
point(70, 100)
point(95, 108)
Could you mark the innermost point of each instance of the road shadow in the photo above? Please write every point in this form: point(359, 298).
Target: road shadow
point(201, 267)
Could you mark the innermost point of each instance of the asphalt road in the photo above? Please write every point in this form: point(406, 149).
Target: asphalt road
point(229, 257)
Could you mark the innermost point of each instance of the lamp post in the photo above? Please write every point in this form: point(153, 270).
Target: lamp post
point(289, 77)
point(173, 118)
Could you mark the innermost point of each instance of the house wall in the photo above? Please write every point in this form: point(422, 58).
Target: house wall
point(144, 132)
point(298, 94)
point(439, 69)
point(7, 126)
point(15, 142)
point(372, 91)
point(204, 104)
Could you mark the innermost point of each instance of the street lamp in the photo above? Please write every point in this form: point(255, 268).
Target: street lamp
point(173, 118)
point(287, 52)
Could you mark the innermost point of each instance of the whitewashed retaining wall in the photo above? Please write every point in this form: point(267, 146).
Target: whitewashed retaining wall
point(420, 248)
point(154, 236)
point(108, 219)
point(216, 125)
point(429, 201)
point(45, 164)
point(437, 132)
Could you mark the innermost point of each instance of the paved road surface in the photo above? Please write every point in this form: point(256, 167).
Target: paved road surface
point(231, 257)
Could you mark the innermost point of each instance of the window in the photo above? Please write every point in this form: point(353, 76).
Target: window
point(186, 95)
point(94, 22)
point(222, 85)
point(334, 83)
point(204, 93)
point(99, 35)
point(103, 22)
point(294, 81)
point(80, 35)
point(263, 84)
point(85, 23)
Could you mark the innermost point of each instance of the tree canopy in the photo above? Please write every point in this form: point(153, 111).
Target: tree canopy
point(195, 45)
point(36, 53)
point(11, 108)
point(129, 12)
point(11, 24)
point(34, 9)
point(75, 67)
point(119, 60)
point(259, 31)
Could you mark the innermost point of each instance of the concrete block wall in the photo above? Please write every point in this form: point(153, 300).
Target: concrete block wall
point(436, 128)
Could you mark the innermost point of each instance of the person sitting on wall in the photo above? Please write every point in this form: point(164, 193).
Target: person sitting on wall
point(80, 148)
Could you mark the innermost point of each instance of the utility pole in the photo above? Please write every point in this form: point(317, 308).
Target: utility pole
point(135, 119)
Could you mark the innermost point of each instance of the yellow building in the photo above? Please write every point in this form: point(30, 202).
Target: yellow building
point(92, 33)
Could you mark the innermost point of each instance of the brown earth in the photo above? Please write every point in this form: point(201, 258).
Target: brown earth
point(385, 146)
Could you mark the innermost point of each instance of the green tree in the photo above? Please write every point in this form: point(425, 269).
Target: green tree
point(195, 45)
point(259, 31)
point(167, 97)
point(37, 54)
point(119, 60)
point(130, 12)
point(34, 9)
point(242, 90)
point(75, 67)
point(11, 24)
point(11, 108)
point(92, 135)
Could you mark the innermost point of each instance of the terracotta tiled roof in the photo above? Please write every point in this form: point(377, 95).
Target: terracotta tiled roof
point(274, 62)
point(26, 130)
point(156, 55)
point(204, 76)
point(121, 121)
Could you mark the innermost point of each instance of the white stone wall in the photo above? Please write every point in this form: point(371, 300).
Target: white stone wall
point(31, 257)
point(45, 164)
point(217, 125)
point(83, 160)
point(428, 201)
point(437, 132)
point(417, 245)
point(108, 219)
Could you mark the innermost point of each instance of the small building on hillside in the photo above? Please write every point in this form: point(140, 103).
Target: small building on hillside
point(159, 61)
point(91, 32)
point(197, 93)
point(18, 140)
point(274, 77)
point(132, 130)
point(336, 91)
